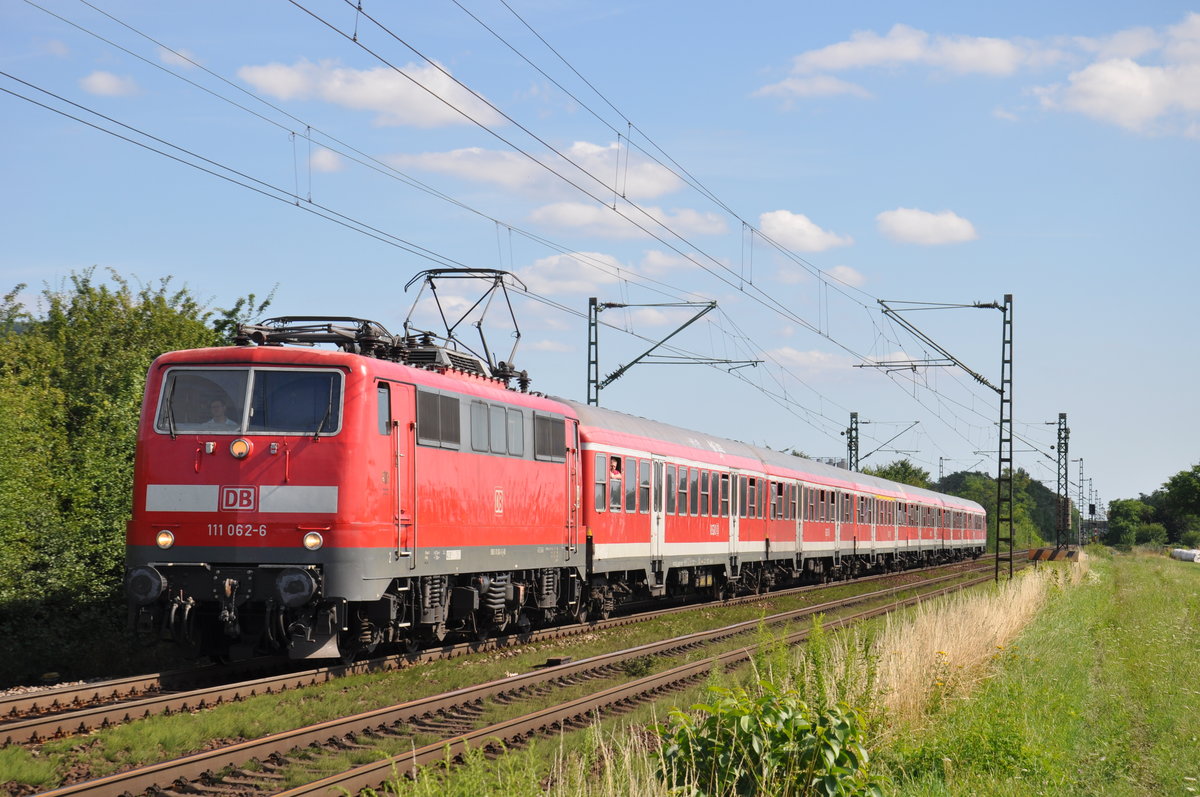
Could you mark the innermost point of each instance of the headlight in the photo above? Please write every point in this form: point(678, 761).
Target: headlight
point(240, 448)
point(164, 539)
point(313, 541)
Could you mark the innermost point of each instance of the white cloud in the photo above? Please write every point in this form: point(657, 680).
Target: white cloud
point(106, 84)
point(657, 263)
point(1126, 93)
point(847, 275)
point(57, 48)
point(1130, 43)
point(906, 45)
point(325, 160)
point(602, 221)
point(551, 345)
point(397, 97)
point(581, 272)
point(1183, 41)
point(1141, 78)
point(509, 170)
point(1119, 89)
point(792, 275)
point(913, 226)
point(182, 58)
point(591, 272)
point(637, 179)
point(811, 361)
point(797, 232)
point(812, 86)
point(642, 317)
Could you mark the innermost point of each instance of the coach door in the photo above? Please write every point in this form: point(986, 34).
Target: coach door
point(658, 518)
point(396, 413)
point(737, 498)
point(574, 489)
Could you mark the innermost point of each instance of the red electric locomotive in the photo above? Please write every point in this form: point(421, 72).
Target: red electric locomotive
point(324, 501)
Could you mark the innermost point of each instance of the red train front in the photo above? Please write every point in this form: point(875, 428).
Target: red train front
point(276, 502)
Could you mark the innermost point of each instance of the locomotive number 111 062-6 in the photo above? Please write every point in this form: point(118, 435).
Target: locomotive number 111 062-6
point(237, 530)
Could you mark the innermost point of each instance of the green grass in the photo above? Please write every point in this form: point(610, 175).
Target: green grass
point(1098, 696)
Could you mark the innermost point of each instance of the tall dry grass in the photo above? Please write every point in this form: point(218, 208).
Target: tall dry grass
point(901, 673)
point(936, 653)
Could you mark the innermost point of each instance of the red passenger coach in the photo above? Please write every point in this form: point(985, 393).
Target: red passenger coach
point(321, 502)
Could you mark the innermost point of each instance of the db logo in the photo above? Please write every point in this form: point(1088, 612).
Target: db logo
point(499, 501)
point(239, 499)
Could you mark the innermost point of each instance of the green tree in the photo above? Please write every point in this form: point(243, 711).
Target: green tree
point(71, 385)
point(1125, 517)
point(903, 471)
point(1181, 503)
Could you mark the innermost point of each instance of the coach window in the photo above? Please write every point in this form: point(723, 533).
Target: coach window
point(644, 486)
point(704, 495)
point(694, 487)
point(631, 484)
point(670, 490)
point(383, 395)
point(683, 490)
point(724, 495)
point(601, 481)
point(615, 474)
point(742, 492)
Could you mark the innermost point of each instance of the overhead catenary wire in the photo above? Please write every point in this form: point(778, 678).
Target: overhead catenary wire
point(309, 134)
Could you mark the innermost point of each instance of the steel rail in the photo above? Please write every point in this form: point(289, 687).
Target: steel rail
point(82, 708)
point(583, 709)
point(201, 765)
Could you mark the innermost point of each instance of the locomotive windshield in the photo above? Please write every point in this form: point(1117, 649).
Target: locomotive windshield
point(250, 401)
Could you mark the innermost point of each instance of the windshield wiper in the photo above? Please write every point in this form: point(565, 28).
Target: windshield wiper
point(171, 408)
point(328, 412)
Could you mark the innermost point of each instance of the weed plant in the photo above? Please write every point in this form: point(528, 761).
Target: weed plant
point(765, 741)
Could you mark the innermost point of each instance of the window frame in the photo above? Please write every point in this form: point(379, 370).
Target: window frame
point(162, 426)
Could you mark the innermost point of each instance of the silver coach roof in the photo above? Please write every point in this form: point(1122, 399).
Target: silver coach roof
point(644, 427)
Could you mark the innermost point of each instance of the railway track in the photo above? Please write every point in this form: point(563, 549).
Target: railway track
point(77, 709)
point(447, 721)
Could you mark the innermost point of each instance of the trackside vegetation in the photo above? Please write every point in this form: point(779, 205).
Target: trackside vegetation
point(72, 372)
point(1074, 680)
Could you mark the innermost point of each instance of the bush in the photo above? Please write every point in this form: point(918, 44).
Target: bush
point(769, 743)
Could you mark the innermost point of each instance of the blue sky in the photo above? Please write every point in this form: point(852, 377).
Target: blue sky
point(794, 162)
